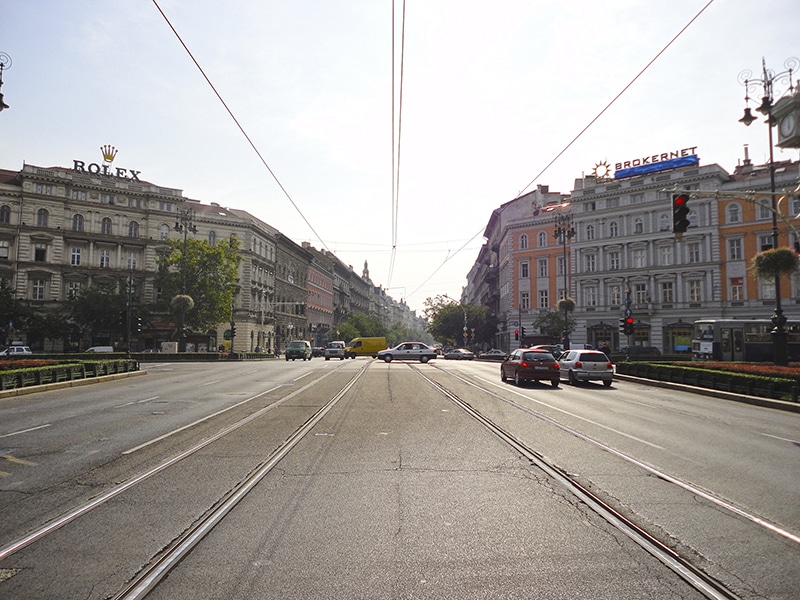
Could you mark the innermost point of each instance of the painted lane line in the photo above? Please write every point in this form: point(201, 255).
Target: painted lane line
point(25, 430)
point(137, 402)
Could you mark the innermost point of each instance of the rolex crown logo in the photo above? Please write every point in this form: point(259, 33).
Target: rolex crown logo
point(109, 152)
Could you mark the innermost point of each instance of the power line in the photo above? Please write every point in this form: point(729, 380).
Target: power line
point(235, 120)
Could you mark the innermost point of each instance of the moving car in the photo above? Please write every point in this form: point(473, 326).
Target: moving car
point(100, 349)
point(16, 351)
point(586, 365)
point(408, 351)
point(530, 364)
point(334, 350)
point(318, 351)
point(494, 352)
point(298, 349)
point(365, 346)
point(554, 349)
point(459, 354)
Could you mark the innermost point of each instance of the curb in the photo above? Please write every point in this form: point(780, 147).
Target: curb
point(46, 387)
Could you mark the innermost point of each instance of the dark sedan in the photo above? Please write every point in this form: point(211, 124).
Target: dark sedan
point(529, 364)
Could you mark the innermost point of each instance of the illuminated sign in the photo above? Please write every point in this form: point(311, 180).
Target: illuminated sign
point(657, 162)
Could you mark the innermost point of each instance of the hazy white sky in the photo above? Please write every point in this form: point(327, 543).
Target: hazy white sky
point(493, 91)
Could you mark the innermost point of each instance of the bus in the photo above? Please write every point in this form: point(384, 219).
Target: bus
point(748, 340)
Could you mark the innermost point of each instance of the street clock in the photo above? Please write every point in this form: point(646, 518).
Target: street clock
point(787, 117)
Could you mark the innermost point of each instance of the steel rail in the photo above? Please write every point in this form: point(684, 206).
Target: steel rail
point(83, 509)
point(150, 577)
point(702, 582)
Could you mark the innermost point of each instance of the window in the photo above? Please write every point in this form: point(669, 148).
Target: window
point(734, 213)
point(695, 290)
point(37, 289)
point(639, 258)
point(667, 292)
point(663, 223)
point(212, 237)
point(590, 295)
point(693, 251)
point(43, 188)
point(131, 260)
point(523, 270)
point(544, 271)
point(735, 249)
point(765, 242)
point(105, 226)
point(590, 232)
point(638, 225)
point(133, 229)
point(75, 257)
point(5, 214)
point(42, 216)
point(542, 239)
point(105, 259)
point(590, 263)
point(77, 222)
point(764, 209)
point(5, 247)
point(524, 300)
point(612, 203)
point(78, 195)
point(615, 297)
point(165, 206)
point(736, 288)
point(73, 289)
point(544, 298)
point(135, 202)
point(560, 266)
point(666, 256)
point(613, 229)
point(163, 232)
point(637, 198)
point(523, 242)
point(589, 206)
point(613, 261)
point(767, 288)
point(640, 293)
point(107, 199)
point(40, 252)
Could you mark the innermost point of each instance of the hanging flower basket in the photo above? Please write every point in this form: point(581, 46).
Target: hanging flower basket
point(777, 261)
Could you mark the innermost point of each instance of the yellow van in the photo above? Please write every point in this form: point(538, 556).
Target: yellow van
point(365, 346)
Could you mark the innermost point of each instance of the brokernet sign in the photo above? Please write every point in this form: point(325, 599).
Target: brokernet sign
point(657, 162)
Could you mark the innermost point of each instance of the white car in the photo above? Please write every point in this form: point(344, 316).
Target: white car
point(334, 350)
point(16, 351)
point(408, 351)
point(586, 365)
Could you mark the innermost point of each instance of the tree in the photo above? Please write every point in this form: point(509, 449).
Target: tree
point(551, 323)
point(99, 311)
point(447, 319)
point(775, 262)
point(366, 325)
point(205, 273)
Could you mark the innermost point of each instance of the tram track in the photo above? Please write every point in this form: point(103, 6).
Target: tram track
point(705, 584)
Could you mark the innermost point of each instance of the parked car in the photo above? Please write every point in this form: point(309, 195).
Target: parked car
point(16, 351)
point(408, 351)
point(459, 354)
point(529, 364)
point(586, 365)
point(494, 353)
point(298, 349)
point(100, 349)
point(334, 350)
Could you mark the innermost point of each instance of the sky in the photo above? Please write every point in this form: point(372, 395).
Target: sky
point(492, 93)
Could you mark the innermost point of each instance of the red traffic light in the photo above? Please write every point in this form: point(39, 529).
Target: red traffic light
point(629, 320)
point(680, 200)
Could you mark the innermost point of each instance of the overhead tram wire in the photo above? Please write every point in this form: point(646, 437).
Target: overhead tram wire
point(396, 145)
point(625, 89)
point(575, 139)
point(244, 133)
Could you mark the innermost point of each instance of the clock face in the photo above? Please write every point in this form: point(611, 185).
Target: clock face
point(787, 125)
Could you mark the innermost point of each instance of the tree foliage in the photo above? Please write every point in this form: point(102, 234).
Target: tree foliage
point(363, 324)
point(552, 323)
point(99, 309)
point(447, 319)
point(205, 273)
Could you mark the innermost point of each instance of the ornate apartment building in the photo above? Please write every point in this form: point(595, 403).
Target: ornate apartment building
point(617, 251)
point(63, 230)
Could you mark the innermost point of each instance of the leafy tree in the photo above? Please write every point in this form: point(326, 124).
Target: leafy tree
point(99, 310)
point(347, 331)
point(366, 325)
point(205, 273)
point(447, 318)
point(552, 323)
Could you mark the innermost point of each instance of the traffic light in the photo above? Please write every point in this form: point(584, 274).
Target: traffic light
point(138, 324)
point(628, 325)
point(522, 332)
point(623, 326)
point(233, 329)
point(680, 211)
point(516, 334)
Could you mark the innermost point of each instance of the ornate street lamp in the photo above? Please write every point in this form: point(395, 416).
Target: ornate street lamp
point(563, 232)
point(766, 82)
point(5, 63)
point(185, 225)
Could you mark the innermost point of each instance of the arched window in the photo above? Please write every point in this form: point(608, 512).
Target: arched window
point(42, 217)
point(542, 241)
point(77, 222)
point(523, 241)
point(5, 214)
point(105, 226)
point(212, 237)
point(133, 229)
point(613, 229)
point(590, 232)
point(163, 232)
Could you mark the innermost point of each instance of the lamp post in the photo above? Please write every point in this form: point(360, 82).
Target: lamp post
point(184, 225)
point(5, 63)
point(563, 232)
point(766, 82)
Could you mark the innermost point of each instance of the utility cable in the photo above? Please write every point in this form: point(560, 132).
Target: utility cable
point(244, 133)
